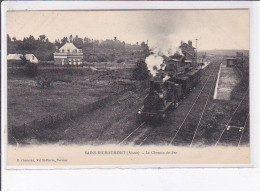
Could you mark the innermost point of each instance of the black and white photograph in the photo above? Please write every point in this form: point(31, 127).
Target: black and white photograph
point(112, 87)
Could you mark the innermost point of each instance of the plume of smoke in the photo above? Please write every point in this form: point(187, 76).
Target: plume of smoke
point(154, 63)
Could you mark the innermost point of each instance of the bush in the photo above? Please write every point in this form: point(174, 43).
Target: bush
point(140, 71)
point(120, 60)
point(31, 69)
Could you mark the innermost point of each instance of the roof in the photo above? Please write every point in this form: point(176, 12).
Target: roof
point(184, 43)
point(18, 56)
point(68, 45)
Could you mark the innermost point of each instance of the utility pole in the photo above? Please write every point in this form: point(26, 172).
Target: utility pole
point(196, 50)
point(196, 42)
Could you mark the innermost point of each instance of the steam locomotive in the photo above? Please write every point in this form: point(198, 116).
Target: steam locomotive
point(166, 95)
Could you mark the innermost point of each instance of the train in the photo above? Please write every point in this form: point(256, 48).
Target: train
point(166, 95)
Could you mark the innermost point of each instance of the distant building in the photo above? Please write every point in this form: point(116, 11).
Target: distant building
point(189, 52)
point(68, 54)
point(229, 62)
point(17, 58)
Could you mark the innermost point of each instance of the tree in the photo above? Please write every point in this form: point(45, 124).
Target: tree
point(8, 39)
point(140, 71)
point(71, 38)
point(64, 40)
point(31, 38)
point(42, 38)
point(24, 60)
point(86, 40)
point(78, 42)
point(57, 43)
point(143, 45)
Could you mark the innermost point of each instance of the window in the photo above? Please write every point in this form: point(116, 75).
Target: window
point(63, 50)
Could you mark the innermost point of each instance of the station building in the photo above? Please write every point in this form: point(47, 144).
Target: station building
point(189, 52)
point(229, 62)
point(68, 54)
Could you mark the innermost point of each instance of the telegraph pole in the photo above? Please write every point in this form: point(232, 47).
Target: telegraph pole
point(196, 42)
point(196, 51)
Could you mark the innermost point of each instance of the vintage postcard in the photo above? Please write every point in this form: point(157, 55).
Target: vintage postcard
point(127, 88)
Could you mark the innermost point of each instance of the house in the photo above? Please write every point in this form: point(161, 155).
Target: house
point(189, 52)
point(17, 58)
point(68, 54)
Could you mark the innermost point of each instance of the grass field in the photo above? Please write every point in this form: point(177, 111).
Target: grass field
point(71, 89)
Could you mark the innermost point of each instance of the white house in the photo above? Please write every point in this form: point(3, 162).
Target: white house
point(68, 54)
point(17, 58)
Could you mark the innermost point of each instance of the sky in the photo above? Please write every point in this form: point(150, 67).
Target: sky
point(214, 29)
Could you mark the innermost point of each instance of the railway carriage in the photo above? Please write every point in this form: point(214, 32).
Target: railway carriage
point(185, 81)
point(194, 76)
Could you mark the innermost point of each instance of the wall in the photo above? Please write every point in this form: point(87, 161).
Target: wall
point(58, 61)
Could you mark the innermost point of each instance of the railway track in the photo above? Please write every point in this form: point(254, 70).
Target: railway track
point(134, 135)
point(186, 132)
point(142, 133)
point(162, 133)
point(234, 129)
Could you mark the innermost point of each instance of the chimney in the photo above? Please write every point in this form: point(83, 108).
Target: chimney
point(190, 43)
